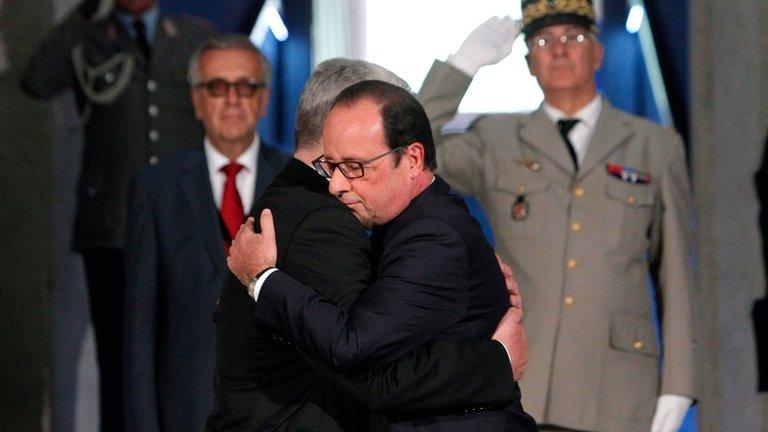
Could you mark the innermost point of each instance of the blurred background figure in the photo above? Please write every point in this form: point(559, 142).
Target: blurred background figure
point(126, 63)
point(584, 201)
point(183, 214)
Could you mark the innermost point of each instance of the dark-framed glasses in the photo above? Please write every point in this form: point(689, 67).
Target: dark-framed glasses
point(545, 42)
point(349, 169)
point(245, 87)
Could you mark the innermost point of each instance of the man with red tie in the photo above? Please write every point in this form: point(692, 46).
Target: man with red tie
point(183, 214)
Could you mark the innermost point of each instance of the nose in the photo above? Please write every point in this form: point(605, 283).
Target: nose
point(231, 96)
point(558, 48)
point(338, 184)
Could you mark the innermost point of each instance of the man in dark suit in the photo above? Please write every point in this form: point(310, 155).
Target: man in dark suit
point(126, 67)
point(436, 277)
point(264, 384)
point(182, 215)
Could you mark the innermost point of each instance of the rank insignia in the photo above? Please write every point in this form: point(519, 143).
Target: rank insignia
point(627, 174)
point(520, 209)
point(529, 163)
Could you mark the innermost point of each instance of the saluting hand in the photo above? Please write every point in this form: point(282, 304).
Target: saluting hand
point(251, 252)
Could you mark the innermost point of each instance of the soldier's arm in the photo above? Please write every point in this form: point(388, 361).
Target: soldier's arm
point(459, 155)
point(49, 69)
point(672, 271)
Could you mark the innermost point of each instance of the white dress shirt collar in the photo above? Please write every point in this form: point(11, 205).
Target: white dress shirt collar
point(246, 178)
point(583, 132)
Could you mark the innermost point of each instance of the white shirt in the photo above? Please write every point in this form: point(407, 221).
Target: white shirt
point(583, 132)
point(246, 178)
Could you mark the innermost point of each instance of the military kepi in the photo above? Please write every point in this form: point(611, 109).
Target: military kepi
point(538, 14)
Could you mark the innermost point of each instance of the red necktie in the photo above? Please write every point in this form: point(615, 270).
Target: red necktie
point(231, 205)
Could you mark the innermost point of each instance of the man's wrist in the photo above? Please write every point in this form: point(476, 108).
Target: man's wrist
point(464, 64)
point(254, 286)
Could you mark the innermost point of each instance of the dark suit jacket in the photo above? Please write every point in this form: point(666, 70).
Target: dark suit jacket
point(121, 136)
point(436, 279)
point(263, 384)
point(175, 266)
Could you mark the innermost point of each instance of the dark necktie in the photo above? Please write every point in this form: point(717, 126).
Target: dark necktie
point(141, 38)
point(231, 205)
point(565, 126)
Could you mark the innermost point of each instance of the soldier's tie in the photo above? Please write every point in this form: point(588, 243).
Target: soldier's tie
point(141, 38)
point(565, 126)
point(231, 205)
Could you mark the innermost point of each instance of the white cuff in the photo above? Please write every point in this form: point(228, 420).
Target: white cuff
point(260, 282)
point(463, 64)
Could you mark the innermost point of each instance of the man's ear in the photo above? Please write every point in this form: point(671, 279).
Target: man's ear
point(197, 103)
point(528, 62)
point(263, 102)
point(414, 156)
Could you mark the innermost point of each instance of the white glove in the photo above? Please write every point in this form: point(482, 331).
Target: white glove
point(670, 412)
point(488, 44)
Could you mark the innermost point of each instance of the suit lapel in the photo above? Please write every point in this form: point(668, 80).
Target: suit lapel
point(539, 132)
point(196, 188)
point(610, 132)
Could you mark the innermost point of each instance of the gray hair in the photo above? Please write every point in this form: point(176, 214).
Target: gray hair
point(229, 41)
point(327, 81)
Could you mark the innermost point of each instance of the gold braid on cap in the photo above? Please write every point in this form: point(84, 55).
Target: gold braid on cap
point(542, 8)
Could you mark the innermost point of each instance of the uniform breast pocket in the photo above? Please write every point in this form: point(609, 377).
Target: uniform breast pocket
point(627, 217)
point(519, 203)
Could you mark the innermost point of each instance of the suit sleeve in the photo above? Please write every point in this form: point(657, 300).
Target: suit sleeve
point(459, 155)
point(141, 314)
point(330, 253)
point(672, 272)
point(419, 291)
point(49, 70)
point(439, 378)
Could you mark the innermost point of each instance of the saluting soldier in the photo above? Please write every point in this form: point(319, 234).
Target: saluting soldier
point(126, 63)
point(584, 200)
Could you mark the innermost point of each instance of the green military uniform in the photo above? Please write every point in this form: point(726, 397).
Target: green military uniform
point(581, 246)
point(134, 110)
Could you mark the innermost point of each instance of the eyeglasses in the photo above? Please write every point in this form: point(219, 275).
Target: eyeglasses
point(245, 87)
point(349, 169)
point(548, 42)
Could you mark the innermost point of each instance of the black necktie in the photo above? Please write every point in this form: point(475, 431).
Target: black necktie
point(565, 126)
point(141, 37)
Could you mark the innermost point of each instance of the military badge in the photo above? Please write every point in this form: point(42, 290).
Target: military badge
point(169, 28)
point(520, 209)
point(627, 174)
point(529, 163)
